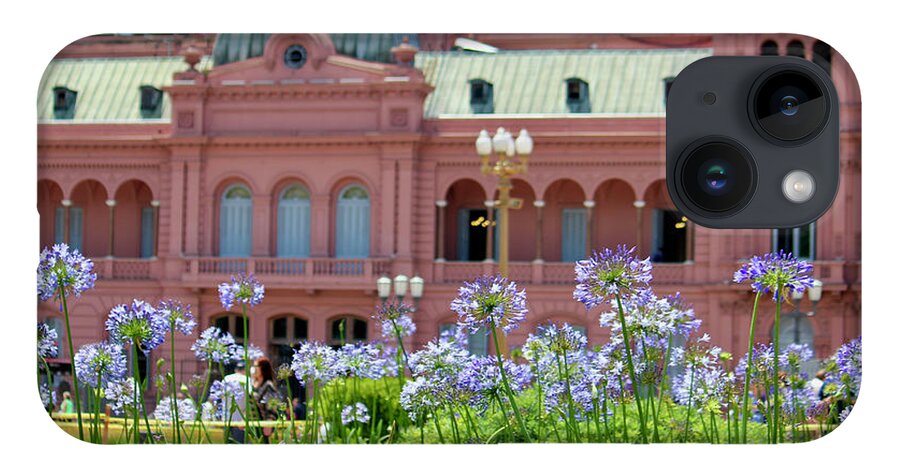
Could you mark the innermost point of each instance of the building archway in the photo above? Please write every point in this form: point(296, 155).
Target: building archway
point(666, 232)
point(89, 219)
point(565, 212)
point(134, 233)
point(52, 213)
point(464, 206)
point(615, 218)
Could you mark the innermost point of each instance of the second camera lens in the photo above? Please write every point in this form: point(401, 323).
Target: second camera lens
point(717, 176)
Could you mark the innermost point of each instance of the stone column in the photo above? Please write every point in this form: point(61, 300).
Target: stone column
point(589, 204)
point(112, 226)
point(155, 205)
point(539, 235)
point(441, 226)
point(489, 252)
point(192, 205)
point(67, 204)
point(639, 208)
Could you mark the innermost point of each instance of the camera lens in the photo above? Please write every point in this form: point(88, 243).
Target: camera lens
point(717, 176)
point(790, 105)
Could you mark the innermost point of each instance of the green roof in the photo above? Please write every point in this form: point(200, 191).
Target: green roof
point(234, 47)
point(108, 88)
point(623, 82)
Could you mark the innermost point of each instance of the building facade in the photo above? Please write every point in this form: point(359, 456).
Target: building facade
point(321, 162)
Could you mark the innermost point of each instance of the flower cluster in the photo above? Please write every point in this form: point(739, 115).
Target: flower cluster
point(317, 362)
point(704, 382)
point(362, 361)
point(845, 378)
point(120, 393)
point(396, 320)
point(139, 324)
point(98, 364)
point(48, 396)
point(351, 413)
point(608, 274)
point(65, 270)
point(164, 411)
point(244, 289)
point(775, 272)
point(178, 315)
point(225, 396)
point(253, 352)
point(215, 345)
point(490, 302)
point(47, 348)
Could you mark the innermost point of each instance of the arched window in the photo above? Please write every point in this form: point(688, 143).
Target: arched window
point(822, 55)
point(233, 324)
point(284, 333)
point(796, 328)
point(236, 222)
point(669, 235)
point(347, 330)
point(769, 48)
point(352, 223)
point(795, 48)
point(293, 222)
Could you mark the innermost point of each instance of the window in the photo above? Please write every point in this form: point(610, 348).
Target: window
point(769, 48)
point(478, 342)
point(284, 333)
point(667, 86)
point(76, 227)
point(148, 233)
point(795, 48)
point(151, 102)
point(59, 225)
point(822, 55)
point(471, 234)
point(236, 222)
point(574, 233)
point(232, 324)
point(481, 96)
point(293, 222)
point(352, 224)
point(669, 236)
point(295, 56)
point(577, 97)
point(64, 103)
point(800, 241)
point(348, 330)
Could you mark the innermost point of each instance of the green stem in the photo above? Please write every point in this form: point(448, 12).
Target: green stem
point(745, 415)
point(174, 400)
point(634, 381)
point(62, 295)
point(512, 399)
point(777, 409)
point(690, 405)
point(291, 411)
point(248, 390)
point(652, 408)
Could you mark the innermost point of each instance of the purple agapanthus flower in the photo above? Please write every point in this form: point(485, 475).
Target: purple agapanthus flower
point(420, 397)
point(396, 319)
point(186, 410)
point(243, 289)
point(215, 345)
point(846, 378)
point(351, 413)
point(793, 355)
point(362, 360)
point(609, 273)
point(178, 315)
point(120, 393)
point(138, 324)
point(479, 382)
point(253, 352)
point(490, 302)
point(317, 362)
point(98, 364)
point(47, 347)
point(776, 272)
point(225, 395)
point(63, 268)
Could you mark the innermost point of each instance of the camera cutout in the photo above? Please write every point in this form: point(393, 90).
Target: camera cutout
point(766, 156)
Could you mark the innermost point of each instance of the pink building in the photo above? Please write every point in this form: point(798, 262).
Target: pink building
point(322, 162)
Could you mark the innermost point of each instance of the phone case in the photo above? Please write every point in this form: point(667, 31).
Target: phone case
point(299, 238)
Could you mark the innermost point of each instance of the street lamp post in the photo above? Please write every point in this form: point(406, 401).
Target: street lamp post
point(815, 295)
point(504, 168)
point(401, 284)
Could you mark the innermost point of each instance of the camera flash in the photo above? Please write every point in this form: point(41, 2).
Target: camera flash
point(798, 186)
